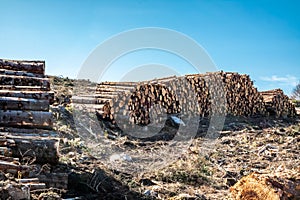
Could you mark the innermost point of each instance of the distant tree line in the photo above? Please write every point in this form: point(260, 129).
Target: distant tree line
point(296, 92)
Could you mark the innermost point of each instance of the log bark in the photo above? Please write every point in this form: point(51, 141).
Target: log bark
point(19, 73)
point(39, 95)
point(83, 100)
point(4, 166)
point(278, 104)
point(15, 103)
point(32, 119)
point(37, 67)
point(24, 88)
point(239, 96)
point(26, 125)
point(42, 149)
point(27, 131)
point(24, 81)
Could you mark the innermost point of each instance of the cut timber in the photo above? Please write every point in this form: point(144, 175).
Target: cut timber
point(15, 103)
point(83, 100)
point(40, 95)
point(161, 80)
point(278, 104)
point(124, 88)
point(8, 159)
point(26, 125)
point(197, 95)
point(49, 134)
point(42, 149)
point(19, 73)
point(4, 166)
point(125, 84)
point(37, 67)
point(88, 107)
point(24, 88)
point(35, 119)
point(28, 131)
point(258, 187)
point(24, 81)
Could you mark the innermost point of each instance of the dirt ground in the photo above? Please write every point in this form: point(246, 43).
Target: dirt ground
point(205, 169)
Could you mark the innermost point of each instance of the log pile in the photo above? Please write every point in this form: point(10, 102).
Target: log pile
point(26, 126)
point(258, 186)
point(197, 94)
point(242, 98)
point(278, 104)
point(24, 96)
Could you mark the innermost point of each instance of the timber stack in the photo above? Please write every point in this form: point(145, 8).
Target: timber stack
point(278, 104)
point(26, 125)
point(190, 95)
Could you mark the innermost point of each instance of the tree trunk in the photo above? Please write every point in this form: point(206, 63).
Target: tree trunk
point(31, 119)
point(24, 81)
point(16, 103)
point(37, 67)
point(39, 95)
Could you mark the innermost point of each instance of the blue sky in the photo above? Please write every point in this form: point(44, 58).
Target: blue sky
point(260, 38)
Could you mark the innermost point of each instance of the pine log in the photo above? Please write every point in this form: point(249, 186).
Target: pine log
point(37, 67)
point(24, 88)
point(278, 104)
point(9, 159)
point(24, 81)
point(125, 84)
point(27, 131)
point(19, 73)
point(162, 80)
point(191, 95)
point(115, 87)
point(243, 98)
point(4, 166)
point(88, 107)
point(34, 119)
point(43, 150)
point(83, 100)
point(15, 103)
point(40, 95)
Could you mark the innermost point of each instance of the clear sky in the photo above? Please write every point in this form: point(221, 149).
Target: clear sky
point(257, 37)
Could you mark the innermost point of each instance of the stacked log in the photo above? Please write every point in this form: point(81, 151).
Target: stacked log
point(109, 92)
point(25, 97)
point(278, 104)
point(36, 67)
point(197, 94)
point(136, 100)
point(26, 129)
point(25, 94)
point(241, 97)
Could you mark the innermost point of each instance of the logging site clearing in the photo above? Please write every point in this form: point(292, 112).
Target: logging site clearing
point(233, 141)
